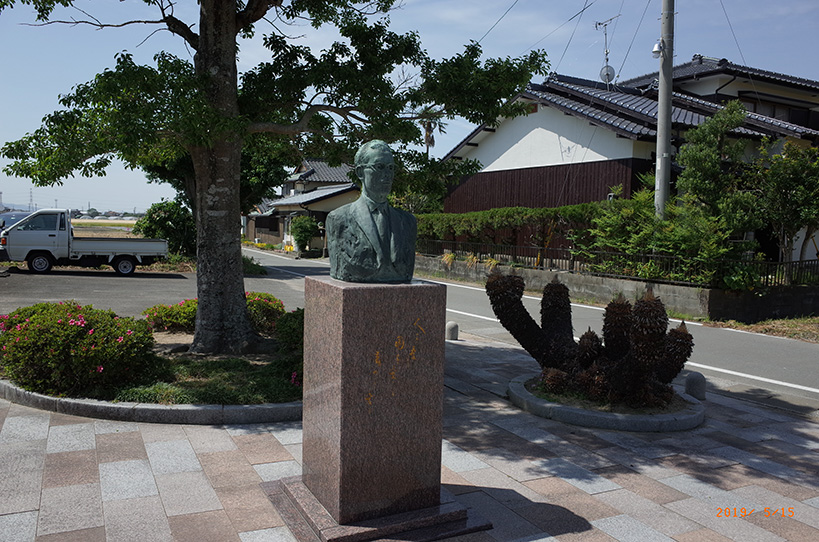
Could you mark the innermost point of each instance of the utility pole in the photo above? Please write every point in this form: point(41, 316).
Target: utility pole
point(666, 53)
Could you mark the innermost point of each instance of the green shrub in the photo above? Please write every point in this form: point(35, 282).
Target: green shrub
point(290, 330)
point(251, 267)
point(172, 221)
point(264, 310)
point(67, 349)
point(303, 229)
point(178, 318)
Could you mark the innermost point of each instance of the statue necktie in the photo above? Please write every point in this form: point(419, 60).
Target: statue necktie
point(382, 225)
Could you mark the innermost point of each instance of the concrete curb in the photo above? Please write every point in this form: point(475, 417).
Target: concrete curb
point(154, 413)
point(685, 419)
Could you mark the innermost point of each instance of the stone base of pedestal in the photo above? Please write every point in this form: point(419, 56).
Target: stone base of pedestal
point(309, 521)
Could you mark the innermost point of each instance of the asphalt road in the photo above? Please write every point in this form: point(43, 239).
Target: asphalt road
point(756, 366)
point(753, 364)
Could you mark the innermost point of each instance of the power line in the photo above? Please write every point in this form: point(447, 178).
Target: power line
point(499, 20)
point(586, 5)
point(736, 41)
point(731, 27)
point(570, 19)
point(640, 24)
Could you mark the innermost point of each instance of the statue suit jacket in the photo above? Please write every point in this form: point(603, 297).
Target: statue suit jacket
point(358, 253)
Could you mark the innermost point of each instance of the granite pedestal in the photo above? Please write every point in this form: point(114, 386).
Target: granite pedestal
point(373, 401)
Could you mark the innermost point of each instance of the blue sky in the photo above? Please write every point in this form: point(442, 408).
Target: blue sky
point(39, 63)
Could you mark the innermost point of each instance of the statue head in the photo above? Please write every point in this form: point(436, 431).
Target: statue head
point(375, 168)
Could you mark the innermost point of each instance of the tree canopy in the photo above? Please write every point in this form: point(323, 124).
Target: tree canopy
point(205, 127)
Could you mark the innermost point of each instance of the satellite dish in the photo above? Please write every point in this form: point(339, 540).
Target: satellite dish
point(607, 74)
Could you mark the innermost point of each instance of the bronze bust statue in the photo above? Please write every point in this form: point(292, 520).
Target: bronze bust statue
point(368, 240)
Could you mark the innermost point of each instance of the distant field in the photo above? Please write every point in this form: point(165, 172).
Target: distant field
point(103, 228)
point(78, 222)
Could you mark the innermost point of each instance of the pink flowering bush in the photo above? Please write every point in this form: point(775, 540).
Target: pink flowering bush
point(73, 350)
point(264, 310)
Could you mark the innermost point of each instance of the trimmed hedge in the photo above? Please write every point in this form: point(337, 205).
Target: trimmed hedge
point(484, 225)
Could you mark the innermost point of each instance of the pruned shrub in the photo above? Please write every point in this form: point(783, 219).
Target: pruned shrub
point(68, 349)
point(290, 330)
point(633, 363)
point(264, 310)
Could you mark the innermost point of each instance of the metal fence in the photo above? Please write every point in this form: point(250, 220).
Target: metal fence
point(731, 274)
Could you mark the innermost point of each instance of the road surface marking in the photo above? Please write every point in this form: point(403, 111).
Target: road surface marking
point(752, 377)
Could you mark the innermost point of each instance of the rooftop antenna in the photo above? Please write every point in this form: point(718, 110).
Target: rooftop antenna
point(607, 73)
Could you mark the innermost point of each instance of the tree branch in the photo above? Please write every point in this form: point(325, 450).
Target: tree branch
point(254, 11)
point(301, 126)
point(173, 25)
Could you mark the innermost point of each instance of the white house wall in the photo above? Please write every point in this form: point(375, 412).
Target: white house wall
point(549, 137)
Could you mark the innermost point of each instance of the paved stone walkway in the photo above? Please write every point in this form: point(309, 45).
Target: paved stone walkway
point(77, 479)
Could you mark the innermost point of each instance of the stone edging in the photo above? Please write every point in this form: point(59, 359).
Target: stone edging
point(688, 418)
point(154, 413)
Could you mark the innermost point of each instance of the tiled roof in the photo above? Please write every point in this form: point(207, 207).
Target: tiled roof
point(313, 196)
point(702, 66)
point(632, 113)
point(321, 171)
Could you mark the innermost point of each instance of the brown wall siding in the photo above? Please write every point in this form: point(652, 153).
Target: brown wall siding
point(551, 186)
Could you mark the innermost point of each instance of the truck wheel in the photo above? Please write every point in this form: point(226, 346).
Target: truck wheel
point(124, 265)
point(39, 263)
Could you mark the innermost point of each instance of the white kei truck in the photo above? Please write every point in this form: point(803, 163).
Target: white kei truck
point(45, 238)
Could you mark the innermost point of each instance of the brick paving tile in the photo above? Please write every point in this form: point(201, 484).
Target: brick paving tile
point(569, 497)
point(58, 418)
point(787, 528)
point(203, 527)
point(582, 438)
point(154, 432)
point(248, 508)
point(120, 447)
point(766, 498)
point(728, 439)
point(736, 476)
point(205, 439)
point(71, 468)
point(225, 469)
point(701, 535)
point(642, 485)
point(694, 465)
point(506, 524)
point(796, 457)
point(137, 520)
point(96, 534)
point(592, 535)
point(261, 448)
point(503, 489)
point(454, 482)
point(70, 508)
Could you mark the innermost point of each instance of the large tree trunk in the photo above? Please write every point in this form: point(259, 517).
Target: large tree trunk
point(222, 322)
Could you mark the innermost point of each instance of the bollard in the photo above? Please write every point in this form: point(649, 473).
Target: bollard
point(695, 385)
point(451, 331)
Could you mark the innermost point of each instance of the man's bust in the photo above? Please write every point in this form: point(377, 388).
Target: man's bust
point(368, 240)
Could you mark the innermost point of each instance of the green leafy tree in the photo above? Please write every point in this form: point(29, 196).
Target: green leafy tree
point(319, 104)
point(303, 229)
point(716, 173)
point(172, 221)
point(787, 192)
